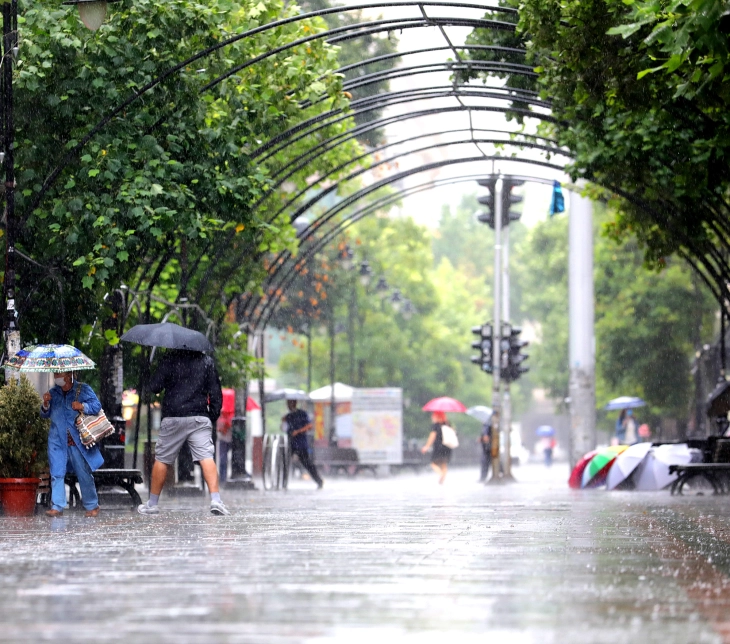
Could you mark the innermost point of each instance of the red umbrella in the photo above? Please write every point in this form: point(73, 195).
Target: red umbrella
point(444, 404)
point(577, 474)
point(251, 404)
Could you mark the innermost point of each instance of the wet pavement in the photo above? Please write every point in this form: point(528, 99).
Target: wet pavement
point(397, 559)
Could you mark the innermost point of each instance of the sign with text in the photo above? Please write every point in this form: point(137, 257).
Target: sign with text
point(377, 425)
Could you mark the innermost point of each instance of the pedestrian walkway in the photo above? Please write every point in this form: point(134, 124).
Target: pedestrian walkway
point(398, 559)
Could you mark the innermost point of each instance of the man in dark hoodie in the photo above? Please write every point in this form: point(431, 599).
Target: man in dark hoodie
point(192, 403)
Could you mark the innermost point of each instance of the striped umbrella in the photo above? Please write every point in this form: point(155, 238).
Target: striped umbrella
point(597, 470)
point(49, 358)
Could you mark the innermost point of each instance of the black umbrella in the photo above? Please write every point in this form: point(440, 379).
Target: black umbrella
point(168, 335)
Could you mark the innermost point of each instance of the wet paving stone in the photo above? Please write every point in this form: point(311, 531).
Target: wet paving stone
point(397, 559)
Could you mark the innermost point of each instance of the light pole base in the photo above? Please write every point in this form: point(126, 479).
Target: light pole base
point(503, 479)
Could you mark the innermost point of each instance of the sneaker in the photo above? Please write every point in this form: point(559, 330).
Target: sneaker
point(217, 507)
point(146, 508)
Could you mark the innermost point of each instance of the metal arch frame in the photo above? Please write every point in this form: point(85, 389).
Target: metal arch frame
point(413, 52)
point(337, 208)
point(354, 33)
point(337, 33)
point(355, 217)
point(270, 306)
point(316, 123)
point(302, 209)
point(360, 171)
point(497, 67)
point(352, 134)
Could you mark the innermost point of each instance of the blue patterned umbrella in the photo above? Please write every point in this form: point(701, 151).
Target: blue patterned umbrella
point(48, 358)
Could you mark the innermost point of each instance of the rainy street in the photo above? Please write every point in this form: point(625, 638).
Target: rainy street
point(396, 558)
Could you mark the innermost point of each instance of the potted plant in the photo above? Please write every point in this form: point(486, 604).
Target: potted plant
point(23, 446)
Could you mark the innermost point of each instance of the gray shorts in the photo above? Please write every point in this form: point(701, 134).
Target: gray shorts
point(174, 431)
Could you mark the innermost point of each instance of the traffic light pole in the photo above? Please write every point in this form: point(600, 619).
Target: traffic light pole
point(506, 421)
point(496, 352)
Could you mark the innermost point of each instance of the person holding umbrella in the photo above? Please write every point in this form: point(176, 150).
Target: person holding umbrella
point(442, 437)
point(441, 454)
point(192, 403)
point(62, 404)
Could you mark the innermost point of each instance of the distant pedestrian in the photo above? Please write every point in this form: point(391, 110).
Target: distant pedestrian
point(630, 422)
point(441, 455)
point(548, 444)
point(66, 452)
point(192, 403)
point(298, 424)
point(644, 433)
point(621, 427)
point(485, 440)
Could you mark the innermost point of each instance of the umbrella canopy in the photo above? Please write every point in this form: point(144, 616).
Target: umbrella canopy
point(285, 394)
point(596, 471)
point(653, 472)
point(252, 405)
point(444, 404)
point(577, 474)
point(624, 402)
point(169, 336)
point(481, 412)
point(343, 393)
point(545, 430)
point(625, 464)
point(49, 358)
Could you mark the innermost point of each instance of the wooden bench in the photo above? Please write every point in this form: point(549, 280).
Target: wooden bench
point(716, 474)
point(125, 479)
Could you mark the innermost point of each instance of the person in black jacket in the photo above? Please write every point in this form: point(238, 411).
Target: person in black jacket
point(192, 404)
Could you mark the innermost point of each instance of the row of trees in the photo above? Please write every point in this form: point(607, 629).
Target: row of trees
point(638, 90)
point(167, 207)
point(648, 323)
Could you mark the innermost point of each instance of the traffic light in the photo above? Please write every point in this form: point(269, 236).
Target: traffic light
point(512, 356)
point(508, 200)
point(485, 344)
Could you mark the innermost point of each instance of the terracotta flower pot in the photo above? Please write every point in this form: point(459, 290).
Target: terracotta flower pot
point(18, 496)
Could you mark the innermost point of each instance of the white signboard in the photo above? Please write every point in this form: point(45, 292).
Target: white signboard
point(377, 425)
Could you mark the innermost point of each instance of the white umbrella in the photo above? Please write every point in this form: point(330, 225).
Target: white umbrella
point(624, 402)
point(626, 463)
point(653, 472)
point(481, 412)
point(286, 394)
point(343, 393)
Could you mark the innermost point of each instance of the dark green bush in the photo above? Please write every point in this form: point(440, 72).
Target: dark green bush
point(23, 433)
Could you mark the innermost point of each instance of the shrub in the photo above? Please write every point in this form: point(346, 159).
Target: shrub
point(23, 433)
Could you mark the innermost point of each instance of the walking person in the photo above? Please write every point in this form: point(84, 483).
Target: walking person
point(297, 425)
point(621, 427)
point(66, 453)
point(630, 423)
point(191, 405)
point(485, 440)
point(441, 455)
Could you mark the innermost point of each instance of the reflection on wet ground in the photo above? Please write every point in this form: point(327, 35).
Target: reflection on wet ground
point(396, 559)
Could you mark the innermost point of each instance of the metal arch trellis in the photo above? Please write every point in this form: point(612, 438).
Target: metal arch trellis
point(361, 171)
point(384, 25)
point(333, 36)
point(336, 209)
point(310, 251)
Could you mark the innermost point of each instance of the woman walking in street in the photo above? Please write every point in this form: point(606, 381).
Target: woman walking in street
point(66, 452)
point(441, 454)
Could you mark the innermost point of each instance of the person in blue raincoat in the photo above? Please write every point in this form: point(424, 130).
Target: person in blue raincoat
point(66, 452)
